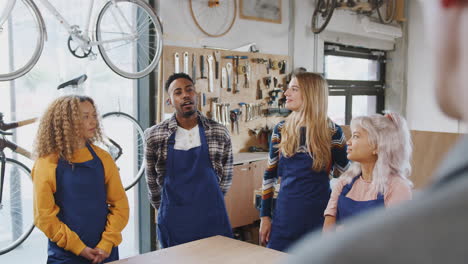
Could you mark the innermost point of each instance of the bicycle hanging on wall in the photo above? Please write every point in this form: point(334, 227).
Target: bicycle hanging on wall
point(324, 10)
point(16, 201)
point(213, 17)
point(127, 33)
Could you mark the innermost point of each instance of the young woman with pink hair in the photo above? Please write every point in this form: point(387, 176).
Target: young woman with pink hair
point(380, 149)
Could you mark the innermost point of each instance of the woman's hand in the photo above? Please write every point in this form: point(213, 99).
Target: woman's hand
point(89, 253)
point(265, 229)
point(329, 223)
point(101, 256)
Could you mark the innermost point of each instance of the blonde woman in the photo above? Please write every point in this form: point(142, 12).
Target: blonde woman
point(79, 201)
point(380, 148)
point(304, 149)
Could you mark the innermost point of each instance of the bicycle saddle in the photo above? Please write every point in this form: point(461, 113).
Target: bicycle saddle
point(74, 82)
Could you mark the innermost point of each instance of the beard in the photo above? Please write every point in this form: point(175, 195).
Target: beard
point(189, 113)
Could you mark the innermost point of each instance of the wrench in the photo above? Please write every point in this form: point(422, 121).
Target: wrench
point(176, 63)
point(229, 76)
point(186, 70)
point(210, 73)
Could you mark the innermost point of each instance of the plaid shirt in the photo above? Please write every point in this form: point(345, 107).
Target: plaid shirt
point(219, 146)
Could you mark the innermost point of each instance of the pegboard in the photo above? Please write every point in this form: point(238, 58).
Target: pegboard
point(256, 84)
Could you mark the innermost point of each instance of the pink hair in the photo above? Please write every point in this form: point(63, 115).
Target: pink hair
point(391, 137)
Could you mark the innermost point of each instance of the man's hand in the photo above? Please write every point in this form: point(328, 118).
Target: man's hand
point(89, 253)
point(101, 256)
point(265, 229)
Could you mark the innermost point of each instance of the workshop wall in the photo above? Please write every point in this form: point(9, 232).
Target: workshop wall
point(257, 114)
point(180, 30)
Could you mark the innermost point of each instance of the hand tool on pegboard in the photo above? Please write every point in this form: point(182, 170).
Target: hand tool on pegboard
point(202, 67)
point(176, 63)
point(217, 56)
point(282, 67)
point(194, 68)
point(259, 90)
point(214, 109)
point(229, 76)
point(234, 116)
point(236, 59)
point(263, 61)
point(210, 73)
point(186, 63)
point(224, 77)
point(267, 81)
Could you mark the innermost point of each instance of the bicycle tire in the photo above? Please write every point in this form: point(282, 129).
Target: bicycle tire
point(328, 7)
point(389, 16)
point(24, 67)
point(7, 211)
point(122, 123)
point(212, 21)
point(107, 26)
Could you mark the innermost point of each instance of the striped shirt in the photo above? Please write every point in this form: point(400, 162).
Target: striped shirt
point(339, 162)
point(157, 136)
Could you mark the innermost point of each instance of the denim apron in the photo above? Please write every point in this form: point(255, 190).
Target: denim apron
point(348, 207)
point(192, 205)
point(302, 199)
point(81, 195)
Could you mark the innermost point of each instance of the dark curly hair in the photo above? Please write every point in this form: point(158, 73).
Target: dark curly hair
point(174, 77)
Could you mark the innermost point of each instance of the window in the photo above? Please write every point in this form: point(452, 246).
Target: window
point(356, 79)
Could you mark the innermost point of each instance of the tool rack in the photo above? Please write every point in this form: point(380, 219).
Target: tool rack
point(257, 110)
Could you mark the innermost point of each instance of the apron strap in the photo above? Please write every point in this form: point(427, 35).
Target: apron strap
point(348, 186)
point(92, 151)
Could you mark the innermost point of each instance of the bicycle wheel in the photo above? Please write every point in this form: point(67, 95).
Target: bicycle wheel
point(22, 40)
point(386, 10)
point(214, 17)
point(322, 14)
point(125, 142)
point(16, 206)
point(131, 37)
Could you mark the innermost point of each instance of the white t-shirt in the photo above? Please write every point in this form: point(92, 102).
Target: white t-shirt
point(187, 139)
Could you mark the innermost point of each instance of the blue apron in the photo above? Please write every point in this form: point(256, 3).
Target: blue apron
point(192, 205)
point(81, 195)
point(302, 199)
point(348, 207)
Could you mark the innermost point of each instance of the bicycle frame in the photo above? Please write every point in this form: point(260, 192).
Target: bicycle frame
point(89, 41)
point(4, 15)
point(84, 39)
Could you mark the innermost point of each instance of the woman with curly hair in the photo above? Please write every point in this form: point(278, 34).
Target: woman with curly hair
point(79, 201)
point(304, 150)
point(380, 148)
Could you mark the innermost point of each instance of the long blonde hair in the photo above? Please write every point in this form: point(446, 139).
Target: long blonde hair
point(391, 137)
point(313, 116)
point(60, 127)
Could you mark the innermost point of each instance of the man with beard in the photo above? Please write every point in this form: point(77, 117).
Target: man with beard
point(189, 169)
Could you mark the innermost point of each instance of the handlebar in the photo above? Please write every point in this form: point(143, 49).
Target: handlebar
point(8, 144)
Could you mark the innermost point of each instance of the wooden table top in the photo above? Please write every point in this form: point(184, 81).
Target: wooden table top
point(216, 249)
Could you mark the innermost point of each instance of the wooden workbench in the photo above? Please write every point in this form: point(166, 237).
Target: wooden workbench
point(212, 250)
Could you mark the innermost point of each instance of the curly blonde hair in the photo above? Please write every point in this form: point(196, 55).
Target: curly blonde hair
point(59, 129)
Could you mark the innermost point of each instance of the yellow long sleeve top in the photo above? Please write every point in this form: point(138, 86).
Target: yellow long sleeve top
point(46, 210)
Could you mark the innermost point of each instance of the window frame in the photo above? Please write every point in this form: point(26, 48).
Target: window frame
point(350, 88)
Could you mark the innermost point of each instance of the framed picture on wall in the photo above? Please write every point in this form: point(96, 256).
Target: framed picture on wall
point(261, 10)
